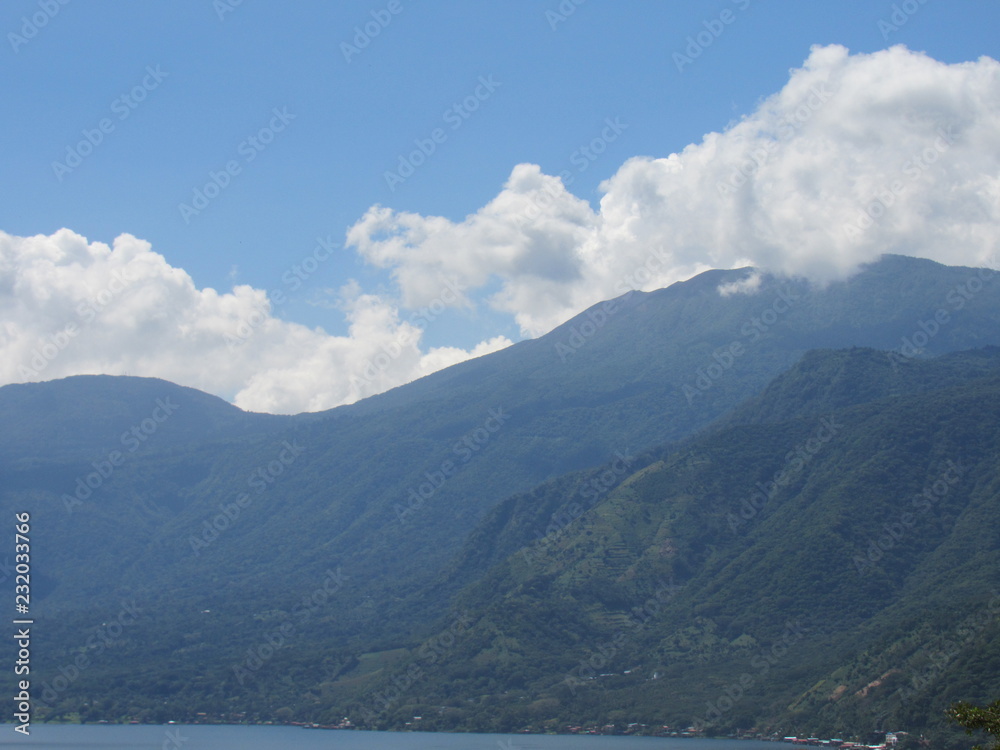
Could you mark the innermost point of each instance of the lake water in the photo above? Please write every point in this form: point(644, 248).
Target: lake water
point(178, 737)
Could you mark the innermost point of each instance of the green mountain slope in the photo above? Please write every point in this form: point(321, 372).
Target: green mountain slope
point(857, 592)
point(220, 523)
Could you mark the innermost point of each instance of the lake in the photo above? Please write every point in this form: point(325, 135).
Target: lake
point(178, 737)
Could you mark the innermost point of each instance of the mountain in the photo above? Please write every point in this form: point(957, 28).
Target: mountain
point(219, 523)
point(819, 566)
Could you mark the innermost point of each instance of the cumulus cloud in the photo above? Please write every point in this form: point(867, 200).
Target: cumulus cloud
point(856, 156)
point(70, 306)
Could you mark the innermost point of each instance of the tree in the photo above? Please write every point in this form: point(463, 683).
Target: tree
point(975, 717)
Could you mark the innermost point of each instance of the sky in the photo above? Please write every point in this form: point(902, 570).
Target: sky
point(297, 205)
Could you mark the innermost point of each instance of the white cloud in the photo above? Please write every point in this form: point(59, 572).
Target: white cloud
point(72, 307)
point(858, 155)
point(748, 285)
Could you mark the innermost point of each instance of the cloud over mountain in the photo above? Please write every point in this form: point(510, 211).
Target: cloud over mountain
point(857, 155)
point(70, 307)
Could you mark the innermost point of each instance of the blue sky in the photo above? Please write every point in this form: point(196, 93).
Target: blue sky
point(211, 75)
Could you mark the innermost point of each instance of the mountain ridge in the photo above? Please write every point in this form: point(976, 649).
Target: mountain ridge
point(484, 488)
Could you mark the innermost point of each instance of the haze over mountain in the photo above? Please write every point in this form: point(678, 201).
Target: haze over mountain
point(539, 492)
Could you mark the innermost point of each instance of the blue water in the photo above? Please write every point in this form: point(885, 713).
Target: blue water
point(178, 737)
